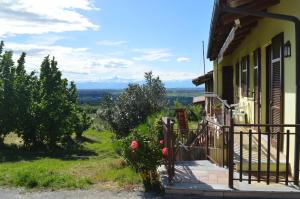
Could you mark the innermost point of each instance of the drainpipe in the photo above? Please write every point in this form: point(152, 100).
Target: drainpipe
point(296, 21)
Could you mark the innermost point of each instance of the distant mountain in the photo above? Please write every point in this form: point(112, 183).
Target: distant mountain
point(121, 84)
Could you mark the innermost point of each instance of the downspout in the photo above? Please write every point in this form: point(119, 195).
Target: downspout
point(296, 22)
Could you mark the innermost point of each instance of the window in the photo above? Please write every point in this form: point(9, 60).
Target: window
point(256, 58)
point(245, 75)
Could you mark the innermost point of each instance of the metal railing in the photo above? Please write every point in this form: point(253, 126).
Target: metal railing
point(217, 143)
point(222, 146)
point(217, 109)
point(169, 143)
point(258, 144)
point(218, 116)
point(176, 142)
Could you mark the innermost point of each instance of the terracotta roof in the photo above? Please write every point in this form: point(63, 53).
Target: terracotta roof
point(198, 99)
point(222, 23)
point(202, 79)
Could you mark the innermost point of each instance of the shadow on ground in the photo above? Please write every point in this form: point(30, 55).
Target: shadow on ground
point(13, 153)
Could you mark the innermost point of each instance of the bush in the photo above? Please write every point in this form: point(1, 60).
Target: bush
point(148, 155)
point(145, 158)
point(134, 105)
point(194, 113)
point(83, 123)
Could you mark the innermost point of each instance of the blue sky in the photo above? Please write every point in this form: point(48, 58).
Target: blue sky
point(111, 42)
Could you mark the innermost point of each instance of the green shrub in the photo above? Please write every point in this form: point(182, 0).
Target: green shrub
point(194, 112)
point(145, 158)
point(134, 105)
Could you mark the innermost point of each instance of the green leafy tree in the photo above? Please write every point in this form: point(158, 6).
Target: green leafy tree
point(54, 105)
point(79, 119)
point(7, 108)
point(155, 92)
point(134, 105)
point(1, 49)
point(41, 110)
point(26, 100)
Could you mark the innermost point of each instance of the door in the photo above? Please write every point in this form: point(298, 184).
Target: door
point(257, 85)
point(227, 84)
point(276, 83)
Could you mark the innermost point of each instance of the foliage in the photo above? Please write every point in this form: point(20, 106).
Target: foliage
point(95, 162)
point(7, 108)
point(148, 155)
point(194, 113)
point(83, 123)
point(134, 105)
point(41, 110)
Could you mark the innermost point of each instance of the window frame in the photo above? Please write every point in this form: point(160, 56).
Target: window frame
point(245, 66)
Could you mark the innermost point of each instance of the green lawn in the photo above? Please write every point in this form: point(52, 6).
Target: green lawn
point(96, 162)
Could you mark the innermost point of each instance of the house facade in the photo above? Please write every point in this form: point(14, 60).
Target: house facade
point(254, 46)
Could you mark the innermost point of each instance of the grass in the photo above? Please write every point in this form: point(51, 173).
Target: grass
point(96, 162)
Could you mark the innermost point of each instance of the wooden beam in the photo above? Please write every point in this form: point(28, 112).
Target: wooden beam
point(245, 21)
point(237, 3)
point(254, 6)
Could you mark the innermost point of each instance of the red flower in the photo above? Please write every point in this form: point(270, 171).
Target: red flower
point(165, 151)
point(134, 145)
point(161, 142)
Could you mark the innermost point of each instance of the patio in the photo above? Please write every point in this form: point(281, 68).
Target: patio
point(202, 178)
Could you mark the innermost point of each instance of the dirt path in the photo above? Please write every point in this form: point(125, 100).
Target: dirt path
point(7, 193)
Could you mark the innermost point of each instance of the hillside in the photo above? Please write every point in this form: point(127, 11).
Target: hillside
point(183, 95)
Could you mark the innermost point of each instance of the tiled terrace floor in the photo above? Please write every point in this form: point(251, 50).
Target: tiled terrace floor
point(203, 177)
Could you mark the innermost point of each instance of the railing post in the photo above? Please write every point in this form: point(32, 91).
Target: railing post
point(231, 151)
point(223, 147)
point(172, 150)
point(169, 148)
point(296, 158)
point(223, 113)
point(207, 141)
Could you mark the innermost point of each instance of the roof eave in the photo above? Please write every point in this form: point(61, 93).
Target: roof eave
point(215, 15)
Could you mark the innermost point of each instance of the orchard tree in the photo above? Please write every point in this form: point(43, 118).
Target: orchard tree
point(26, 100)
point(41, 110)
point(7, 105)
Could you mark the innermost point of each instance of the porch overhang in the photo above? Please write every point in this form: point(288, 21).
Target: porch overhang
point(199, 100)
point(222, 24)
point(203, 79)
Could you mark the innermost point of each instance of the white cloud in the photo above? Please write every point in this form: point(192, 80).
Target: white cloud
point(111, 43)
point(167, 75)
point(183, 59)
point(78, 64)
point(39, 17)
point(148, 54)
point(81, 65)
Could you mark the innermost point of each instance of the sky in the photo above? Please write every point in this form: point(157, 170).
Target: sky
point(110, 43)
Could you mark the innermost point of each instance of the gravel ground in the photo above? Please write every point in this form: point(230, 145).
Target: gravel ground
point(7, 193)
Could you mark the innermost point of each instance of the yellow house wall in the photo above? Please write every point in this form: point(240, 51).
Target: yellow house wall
point(260, 37)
